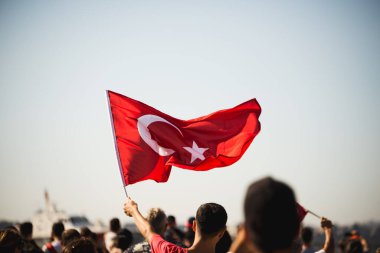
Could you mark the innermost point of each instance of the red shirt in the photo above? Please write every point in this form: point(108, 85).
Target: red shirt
point(159, 245)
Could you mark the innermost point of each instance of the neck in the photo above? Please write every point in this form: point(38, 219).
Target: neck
point(56, 238)
point(203, 245)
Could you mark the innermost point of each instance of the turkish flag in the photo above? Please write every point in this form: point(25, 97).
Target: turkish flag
point(148, 142)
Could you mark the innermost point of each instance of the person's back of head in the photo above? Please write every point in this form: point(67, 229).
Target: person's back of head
point(127, 234)
point(10, 241)
point(69, 236)
point(57, 230)
point(157, 219)
point(120, 242)
point(211, 218)
point(171, 220)
point(115, 225)
point(26, 230)
point(189, 224)
point(271, 215)
point(82, 245)
point(307, 235)
point(85, 232)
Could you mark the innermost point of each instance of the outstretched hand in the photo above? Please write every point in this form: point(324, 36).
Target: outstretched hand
point(326, 223)
point(130, 206)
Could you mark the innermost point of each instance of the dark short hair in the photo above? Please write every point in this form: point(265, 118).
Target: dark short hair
point(171, 219)
point(80, 246)
point(85, 232)
point(211, 218)
point(57, 229)
point(271, 214)
point(115, 225)
point(26, 229)
point(307, 235)
point(121, 242)
point(69, 236)
point(127, 234)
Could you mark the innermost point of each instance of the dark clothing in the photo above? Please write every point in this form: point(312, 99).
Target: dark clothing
point(31, 247)
point(175, 236)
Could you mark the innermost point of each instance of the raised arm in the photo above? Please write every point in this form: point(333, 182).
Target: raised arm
point(131, 209)
point(326, 225)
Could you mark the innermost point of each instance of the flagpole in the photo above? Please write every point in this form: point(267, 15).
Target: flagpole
point(116, 148)
point(315, 215)
point(125, 190)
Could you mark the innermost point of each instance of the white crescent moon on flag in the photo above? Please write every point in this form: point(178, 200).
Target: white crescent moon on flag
point(142, 126)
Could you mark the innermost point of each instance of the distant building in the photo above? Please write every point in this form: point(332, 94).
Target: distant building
point(44, 219)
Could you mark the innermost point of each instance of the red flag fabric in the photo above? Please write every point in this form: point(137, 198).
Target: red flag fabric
point(301, 212)
point(149, 142)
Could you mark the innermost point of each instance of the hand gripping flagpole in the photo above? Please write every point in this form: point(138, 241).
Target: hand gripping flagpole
point(116, 148)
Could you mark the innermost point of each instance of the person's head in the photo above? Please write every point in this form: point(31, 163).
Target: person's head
point(120, 242)
point(171, 221)
point(157, 219)
point(127, 234)
point(26, 230)
point(10, 241)
point(82, 245)
point(307, 235)
point(85, 232)
point(69, 236)
point(210, 220)
point(271, 218)
point(189, 223)
point(57, 230)
point(115, 225)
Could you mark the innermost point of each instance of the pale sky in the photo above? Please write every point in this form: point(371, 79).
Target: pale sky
point(314, 66)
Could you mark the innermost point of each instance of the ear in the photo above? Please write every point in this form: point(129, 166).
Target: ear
point(221, 233)
point(243, 233)
point(194, 226)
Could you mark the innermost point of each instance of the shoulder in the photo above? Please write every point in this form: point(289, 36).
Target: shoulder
point(51, 246)
point(159, 245)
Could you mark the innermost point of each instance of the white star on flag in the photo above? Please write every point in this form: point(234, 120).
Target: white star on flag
point(196, 152)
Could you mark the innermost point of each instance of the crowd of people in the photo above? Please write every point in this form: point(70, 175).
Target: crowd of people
point(271, 225)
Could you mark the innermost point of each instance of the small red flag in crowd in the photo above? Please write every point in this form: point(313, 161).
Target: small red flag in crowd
point(149, 142)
